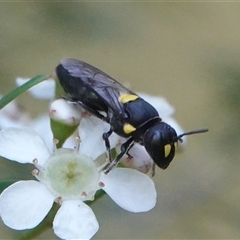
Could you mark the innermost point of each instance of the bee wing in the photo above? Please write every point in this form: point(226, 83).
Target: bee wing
point(98, 83)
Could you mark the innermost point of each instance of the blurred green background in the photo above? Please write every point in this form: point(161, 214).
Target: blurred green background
point(186, 52)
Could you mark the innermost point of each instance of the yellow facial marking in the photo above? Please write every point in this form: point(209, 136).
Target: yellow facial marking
point(128, 128)
point(167, 150)
point(127, 98)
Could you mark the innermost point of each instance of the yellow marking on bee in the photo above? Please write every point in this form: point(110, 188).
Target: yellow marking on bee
point(124, 98)
point(128, 128)
point(167, 150)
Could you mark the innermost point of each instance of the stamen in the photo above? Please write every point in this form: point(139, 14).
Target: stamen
point(78, 141)
point(39, 168)
point(83, 194)
point(55, 142)
point(35, 161)
point(35, 172)
point(59, 200)
point(101, 184)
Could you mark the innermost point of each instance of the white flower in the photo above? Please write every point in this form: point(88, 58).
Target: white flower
point(43, 90)
point(69, 114)
point(139, 160)
point(61, 111)
point(13, 115)
point(43, 127)
point(91, 130)
point(69, 178)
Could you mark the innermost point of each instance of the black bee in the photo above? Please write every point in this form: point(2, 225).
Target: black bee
point(128, 115)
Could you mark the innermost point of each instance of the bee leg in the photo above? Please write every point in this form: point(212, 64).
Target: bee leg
point(128, 154)
point(124, 148)
point(105, 137)
point(153, 169)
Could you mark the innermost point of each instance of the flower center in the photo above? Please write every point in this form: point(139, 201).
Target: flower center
point(69, 174)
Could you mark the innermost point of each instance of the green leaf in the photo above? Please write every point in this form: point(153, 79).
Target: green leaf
point(21, 89)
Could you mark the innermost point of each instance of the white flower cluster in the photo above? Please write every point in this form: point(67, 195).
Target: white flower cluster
point(69, 176)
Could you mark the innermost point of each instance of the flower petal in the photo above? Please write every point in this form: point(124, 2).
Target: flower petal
point(90, 131)
point(130, 189)
point(24, 204)
point(23, 145)
point(140, 160)
point(13, 115)
point(61, 110)
point(75, 220)
point(43, 90)
point(42, 126)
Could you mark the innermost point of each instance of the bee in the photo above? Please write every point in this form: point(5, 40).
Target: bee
point(127, 114)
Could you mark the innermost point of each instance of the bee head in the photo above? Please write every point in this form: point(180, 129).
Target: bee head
point(161, 141)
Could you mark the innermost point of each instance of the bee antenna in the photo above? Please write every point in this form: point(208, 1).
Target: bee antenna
point(179, 137)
